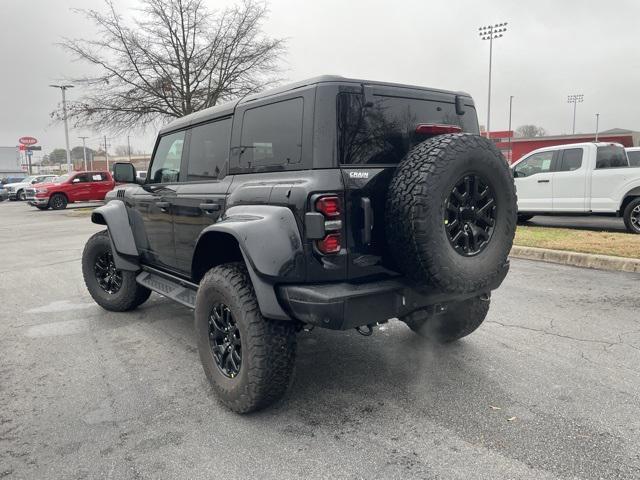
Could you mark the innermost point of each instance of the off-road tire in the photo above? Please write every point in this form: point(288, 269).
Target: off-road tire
point(58, 201)
point(416, 205)
point(627, 215)
point(130, 295)
point(457, 321)
point(268, 346)
point(523, 218)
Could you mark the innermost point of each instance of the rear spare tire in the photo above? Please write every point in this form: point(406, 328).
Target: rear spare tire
point(451, 213)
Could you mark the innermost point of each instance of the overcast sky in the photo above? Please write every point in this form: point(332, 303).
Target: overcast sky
point(551, 49)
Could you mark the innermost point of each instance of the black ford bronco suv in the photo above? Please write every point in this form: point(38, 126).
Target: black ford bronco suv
point(331, 202)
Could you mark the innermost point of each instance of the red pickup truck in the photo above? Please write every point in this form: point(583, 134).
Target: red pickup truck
point(69, 188)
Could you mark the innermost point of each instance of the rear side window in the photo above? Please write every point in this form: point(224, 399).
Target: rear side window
point(634, 158)
point(209, 150)
point(384, 132)
point(611, 157)
point(571, 160)
point(165, 167)
point(272, 134)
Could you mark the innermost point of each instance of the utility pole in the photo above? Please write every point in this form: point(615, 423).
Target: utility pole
point(491, 33)
point(597, 125)
point(129, 148)
point(84, 152)
point(575, 99)
point(510, 132)
point(106, 155)
point(63, 89)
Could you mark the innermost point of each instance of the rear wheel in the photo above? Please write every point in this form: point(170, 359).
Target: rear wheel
point(112, 289)
point(457, 321)
point(58, 201)
point(247, 358)
point(632, 216)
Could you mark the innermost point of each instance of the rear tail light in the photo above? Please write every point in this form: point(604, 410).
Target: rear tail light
point(436, 129)
point(330, 244)
point(329, 207)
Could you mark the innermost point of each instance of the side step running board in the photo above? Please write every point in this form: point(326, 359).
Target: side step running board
point(174, 288)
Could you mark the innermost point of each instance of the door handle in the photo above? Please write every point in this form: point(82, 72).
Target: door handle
point(210, 207)
point(543, 181)
point(162, 205)
point(368, 220)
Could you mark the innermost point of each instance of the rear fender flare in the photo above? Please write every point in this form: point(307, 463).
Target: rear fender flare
point(272, 249)
point(114, 216)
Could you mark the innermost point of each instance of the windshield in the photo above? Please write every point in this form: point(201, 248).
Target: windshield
point(28, 179)
point(612, 156)
point(384, 131)
point(634, 158)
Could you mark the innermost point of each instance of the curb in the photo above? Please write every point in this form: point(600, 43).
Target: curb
point(584, 260)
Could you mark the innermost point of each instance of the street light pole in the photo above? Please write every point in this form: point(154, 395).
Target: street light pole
point(510, 132)
point(63, 89)
point(575, 99)
point(597, 125)
point(84, 152)
point(491, 33)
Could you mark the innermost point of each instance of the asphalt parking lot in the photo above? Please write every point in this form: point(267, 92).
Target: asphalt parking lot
point(548, 387)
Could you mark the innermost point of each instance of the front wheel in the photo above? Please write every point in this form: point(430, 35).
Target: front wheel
point(58, 201)
point(458, 320)
point(247, 358)
point(632, 216)
point(112, 289)
point(21, 195)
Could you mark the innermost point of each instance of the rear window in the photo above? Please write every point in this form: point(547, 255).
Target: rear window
point(384, 132)
point(634, 158)
point(611, 156)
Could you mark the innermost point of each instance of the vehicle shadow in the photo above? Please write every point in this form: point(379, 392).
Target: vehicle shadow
point(592, 223)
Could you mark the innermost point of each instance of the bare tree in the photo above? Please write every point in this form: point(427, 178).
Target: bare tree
point(175, 58)
point(529, 131)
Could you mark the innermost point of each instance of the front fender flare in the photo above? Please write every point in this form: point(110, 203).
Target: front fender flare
point(114, 216)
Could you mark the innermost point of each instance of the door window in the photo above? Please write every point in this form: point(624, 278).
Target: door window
point(209, 150)
point(571, 160)
point(272, 134)
point(82, 178)
point(536, 163)
point(165, 167)
point(634, 158)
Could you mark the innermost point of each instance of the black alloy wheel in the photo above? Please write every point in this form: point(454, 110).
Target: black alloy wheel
point(470, 215)
point(224, 340)
point(109, 278)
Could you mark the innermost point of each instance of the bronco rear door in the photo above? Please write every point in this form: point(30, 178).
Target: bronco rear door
point(377, 126)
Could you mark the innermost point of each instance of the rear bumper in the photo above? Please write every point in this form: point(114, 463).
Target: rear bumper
point(340, 306)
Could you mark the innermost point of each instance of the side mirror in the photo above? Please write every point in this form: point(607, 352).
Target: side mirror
point(124, 172)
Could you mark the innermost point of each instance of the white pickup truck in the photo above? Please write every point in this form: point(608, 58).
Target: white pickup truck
point(579, 179)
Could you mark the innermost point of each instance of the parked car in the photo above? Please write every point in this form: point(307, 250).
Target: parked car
point(332, 203)
point(69, 188)
point(579, 179)
point(17, 190)
point(634, 156)
point(3, 195)
point(14, 179)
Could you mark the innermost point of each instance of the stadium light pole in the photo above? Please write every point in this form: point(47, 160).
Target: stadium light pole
point(510, 132)
point(63, 89)
point(597, 125)
point(491, 33)
point(575, 99)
